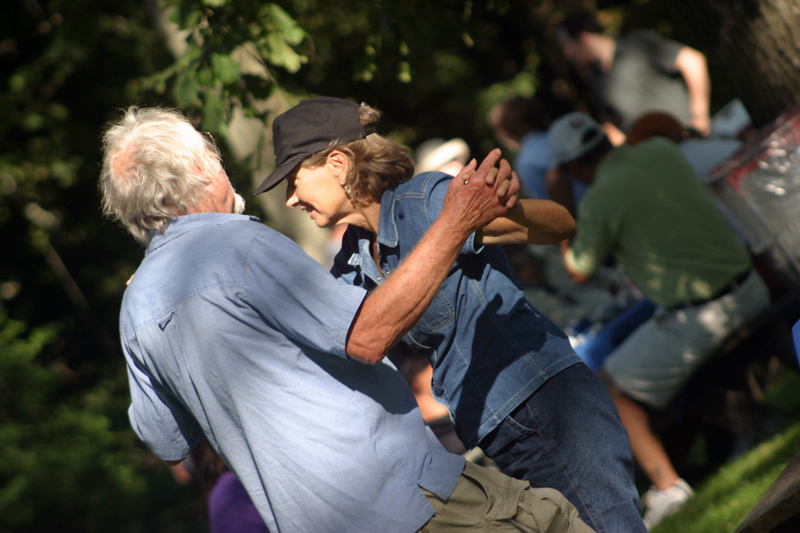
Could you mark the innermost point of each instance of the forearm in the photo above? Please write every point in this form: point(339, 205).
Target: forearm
point(530, 222)
point(613, 133)
point(394, 307)
point(692, 66)
point(473, 199)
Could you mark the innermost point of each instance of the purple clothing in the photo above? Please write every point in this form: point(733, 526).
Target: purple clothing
point(230, 509)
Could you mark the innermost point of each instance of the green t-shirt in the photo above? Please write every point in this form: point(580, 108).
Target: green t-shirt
point(647, 207)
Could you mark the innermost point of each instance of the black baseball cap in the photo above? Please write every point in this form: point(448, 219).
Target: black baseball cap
point(313, 125)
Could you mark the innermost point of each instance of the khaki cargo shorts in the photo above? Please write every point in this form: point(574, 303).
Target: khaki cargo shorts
point(487, 500)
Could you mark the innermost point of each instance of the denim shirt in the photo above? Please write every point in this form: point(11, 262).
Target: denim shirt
point(490, 349)
point(230, 330)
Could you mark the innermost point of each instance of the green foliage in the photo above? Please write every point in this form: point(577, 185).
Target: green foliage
point(66, 448)
point(211, 74)
point(424, 64)
point(66, 69)
point(62, 456)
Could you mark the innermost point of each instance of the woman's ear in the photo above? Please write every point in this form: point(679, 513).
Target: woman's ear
point(338, 163)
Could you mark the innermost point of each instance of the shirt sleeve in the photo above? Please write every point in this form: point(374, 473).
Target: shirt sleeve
point(592, 242)
point(662, 51)
point(296, 295)
point(158, 419)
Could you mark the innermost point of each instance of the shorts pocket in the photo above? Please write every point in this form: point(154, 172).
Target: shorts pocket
point(502, 492)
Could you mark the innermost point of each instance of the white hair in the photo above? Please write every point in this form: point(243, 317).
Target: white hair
point(156, 166)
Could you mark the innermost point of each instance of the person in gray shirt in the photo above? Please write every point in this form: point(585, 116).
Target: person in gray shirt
point(636, 73)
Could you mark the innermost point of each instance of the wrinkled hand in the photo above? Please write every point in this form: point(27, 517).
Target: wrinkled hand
point(476, 197)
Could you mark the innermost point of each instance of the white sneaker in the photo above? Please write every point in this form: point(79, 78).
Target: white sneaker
point(658, 504)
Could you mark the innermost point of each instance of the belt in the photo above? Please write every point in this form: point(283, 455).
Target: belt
point(727, 289)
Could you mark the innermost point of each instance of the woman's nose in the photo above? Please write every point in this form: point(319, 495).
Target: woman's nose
point(291, 198)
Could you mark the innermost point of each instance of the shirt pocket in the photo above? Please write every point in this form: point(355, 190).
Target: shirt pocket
point(439, 315)
point(175, 370)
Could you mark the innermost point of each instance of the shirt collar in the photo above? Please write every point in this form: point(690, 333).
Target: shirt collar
point(183, 224)
point(387, 229)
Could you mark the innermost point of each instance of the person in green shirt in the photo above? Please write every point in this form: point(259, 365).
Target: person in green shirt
point(647, 209)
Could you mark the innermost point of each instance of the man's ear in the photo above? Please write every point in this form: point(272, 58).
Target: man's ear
point(339, 163)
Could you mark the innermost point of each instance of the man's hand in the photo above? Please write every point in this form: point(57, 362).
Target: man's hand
point(503, 188)
point(476, 197)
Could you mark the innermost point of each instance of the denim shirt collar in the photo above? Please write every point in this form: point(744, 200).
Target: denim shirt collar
point(181, 225)
point(387, 229)
point(387, 236)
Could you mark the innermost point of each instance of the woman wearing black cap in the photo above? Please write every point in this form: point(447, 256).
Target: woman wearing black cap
point(508, 375)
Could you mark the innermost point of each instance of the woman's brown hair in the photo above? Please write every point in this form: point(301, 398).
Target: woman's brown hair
point(377, 164)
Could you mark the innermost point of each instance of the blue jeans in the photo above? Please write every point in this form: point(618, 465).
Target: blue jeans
point(568, 436)
point(595, 350)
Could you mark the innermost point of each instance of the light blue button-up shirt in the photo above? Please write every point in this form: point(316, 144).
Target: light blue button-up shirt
point(229, 329)
point(490, 349)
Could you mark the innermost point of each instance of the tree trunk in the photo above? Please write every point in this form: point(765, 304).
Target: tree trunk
point(756, 43)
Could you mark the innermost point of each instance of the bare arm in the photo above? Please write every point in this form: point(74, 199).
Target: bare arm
point(530, 222)
point(692, 65)
point(613, 133)
point(394, 307)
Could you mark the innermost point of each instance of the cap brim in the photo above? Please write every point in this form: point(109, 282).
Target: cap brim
point(277, 175)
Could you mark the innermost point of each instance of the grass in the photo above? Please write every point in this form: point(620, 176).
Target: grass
point(725, 499)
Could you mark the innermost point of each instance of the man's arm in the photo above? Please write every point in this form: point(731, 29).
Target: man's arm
point(530, 222)
point(692, 65)
point(394, 307)
point(613, 133)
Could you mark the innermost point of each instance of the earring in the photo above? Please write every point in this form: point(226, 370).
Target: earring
point(348, 191)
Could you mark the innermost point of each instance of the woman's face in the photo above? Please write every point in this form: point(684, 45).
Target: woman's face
point(319, 192)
